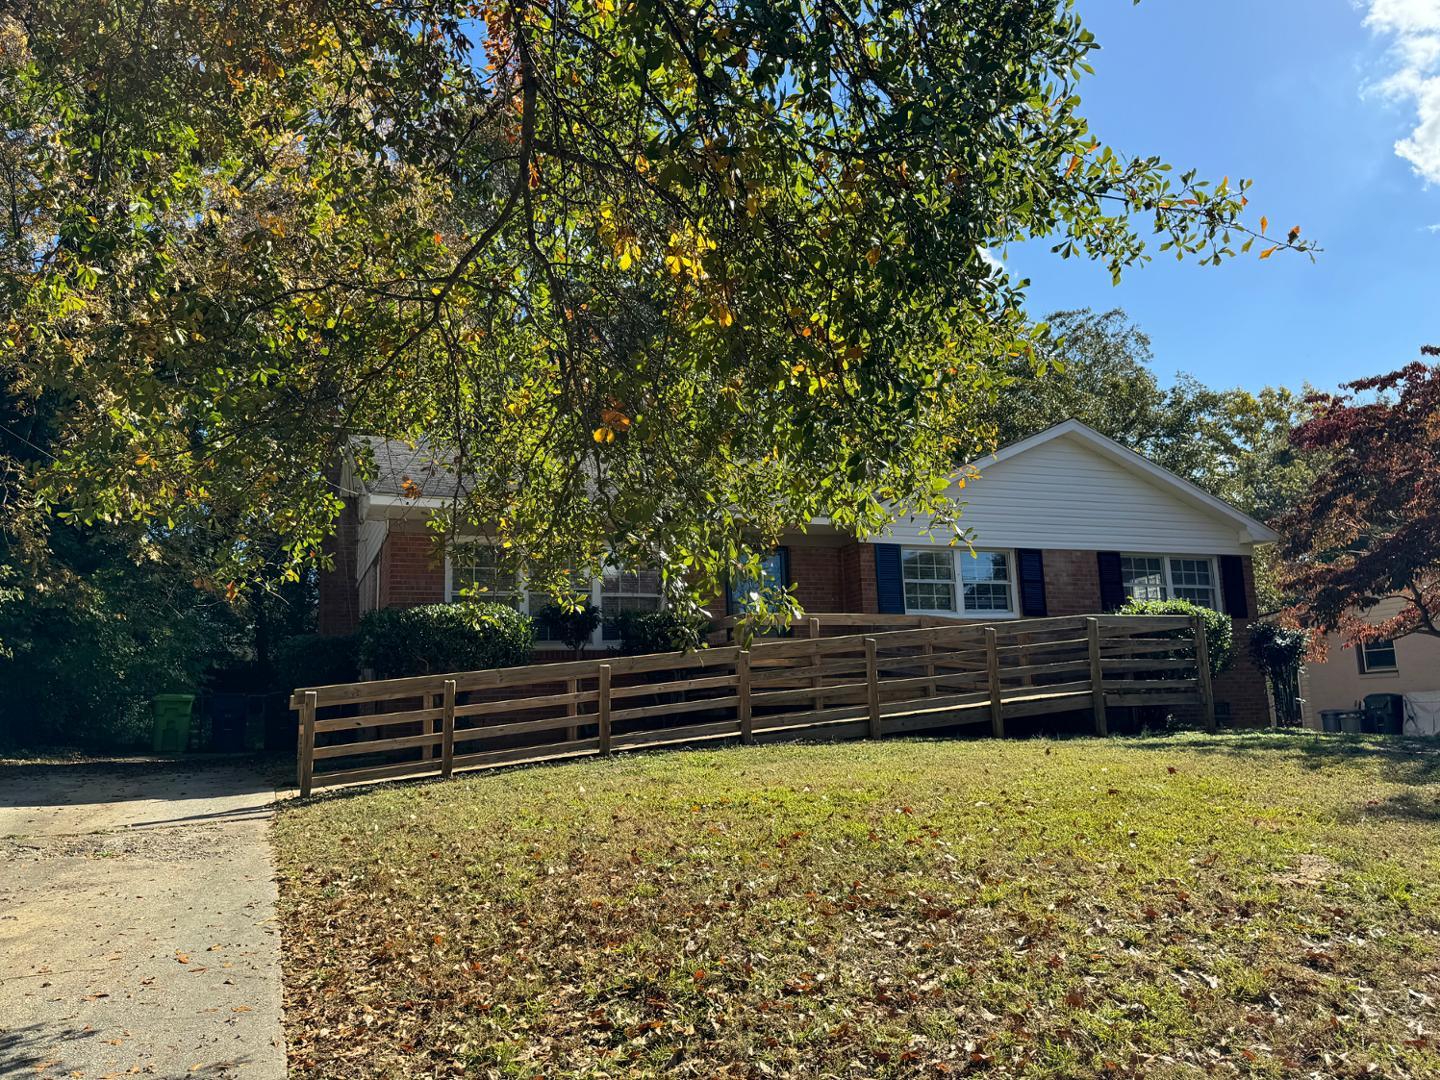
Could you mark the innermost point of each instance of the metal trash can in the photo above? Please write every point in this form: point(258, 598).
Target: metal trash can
point(1330, 720)
point(1352, 721)
point(171, 731)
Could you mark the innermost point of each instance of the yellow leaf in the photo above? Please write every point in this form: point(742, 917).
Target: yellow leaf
point(604, 434)
point(1269, 251)
point(1074, 164)
point(1264, 223)
point(873, 256)
point(723, 315)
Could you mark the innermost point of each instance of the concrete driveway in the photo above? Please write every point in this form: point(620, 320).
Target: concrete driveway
point(137, 932)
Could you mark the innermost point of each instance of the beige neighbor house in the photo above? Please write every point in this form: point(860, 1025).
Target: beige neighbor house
point(1408, 667)
point(1066, 522)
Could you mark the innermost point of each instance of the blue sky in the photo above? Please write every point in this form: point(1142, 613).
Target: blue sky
point(1308, 98)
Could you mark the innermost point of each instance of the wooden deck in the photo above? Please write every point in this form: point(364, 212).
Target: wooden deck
point(941, 674)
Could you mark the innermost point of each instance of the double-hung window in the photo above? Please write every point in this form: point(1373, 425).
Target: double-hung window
point(929, 579)
point(985, 577)
point(958, 581)
point(1377, 657)
point(626, 590)
point(477, 573)
point(1168, 577)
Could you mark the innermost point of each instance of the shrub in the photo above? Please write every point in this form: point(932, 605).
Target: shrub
point(1219, 630)
point(667, 630)
point(397, 642)
point(1279, 651)
point(313, 660)
point(575, 627)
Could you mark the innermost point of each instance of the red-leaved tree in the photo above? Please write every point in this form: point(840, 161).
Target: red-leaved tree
point(1369, 530)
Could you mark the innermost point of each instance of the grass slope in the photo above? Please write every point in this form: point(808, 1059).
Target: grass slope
point(1235, 905)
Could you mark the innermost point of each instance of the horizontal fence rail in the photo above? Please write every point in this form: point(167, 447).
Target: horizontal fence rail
point(943, 673)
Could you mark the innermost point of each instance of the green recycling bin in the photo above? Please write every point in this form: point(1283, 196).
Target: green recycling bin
point(172, 722)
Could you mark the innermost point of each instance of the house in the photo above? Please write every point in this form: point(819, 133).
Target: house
point(1407, 666)
point(1067, 522)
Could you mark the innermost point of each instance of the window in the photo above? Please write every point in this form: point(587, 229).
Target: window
point(929, 579)
point(1143, 577)
point(626, 590)
point(986, 579)
point(477, 573)
point(1157, 577)
point(774, 570)
point(1191, 579)
point(1377, 656)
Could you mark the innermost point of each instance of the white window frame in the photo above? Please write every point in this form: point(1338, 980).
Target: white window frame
point(531, 603)
point(958, 584)
point(598, 587)
point(1169, 574)
point(1365, 666)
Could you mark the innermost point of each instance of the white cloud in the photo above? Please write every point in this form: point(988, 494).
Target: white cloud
point(1412, 28)
point(989, 258)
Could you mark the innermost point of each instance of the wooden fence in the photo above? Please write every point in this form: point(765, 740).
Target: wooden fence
point(849, 686)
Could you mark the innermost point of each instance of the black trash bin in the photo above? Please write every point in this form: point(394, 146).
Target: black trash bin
point(228, 713)
point(1385, 714)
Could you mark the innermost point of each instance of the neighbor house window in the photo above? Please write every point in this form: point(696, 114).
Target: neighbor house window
point(929, 579)
point(1377, 657)
point(1162, 577)
point(477, 573)
point(985, 576)
point(626, 590)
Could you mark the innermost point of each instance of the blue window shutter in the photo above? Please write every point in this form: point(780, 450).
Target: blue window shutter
point(1232, 586)
point(1031, 566)
point(888, 583)
point(1112, 585)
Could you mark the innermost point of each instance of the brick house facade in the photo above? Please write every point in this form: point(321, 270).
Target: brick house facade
point(1061, 522)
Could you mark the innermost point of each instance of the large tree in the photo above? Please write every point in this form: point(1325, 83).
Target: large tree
point(1369, 530)
point(657, 278)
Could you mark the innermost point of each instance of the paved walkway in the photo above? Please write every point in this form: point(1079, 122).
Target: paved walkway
point(137, 931)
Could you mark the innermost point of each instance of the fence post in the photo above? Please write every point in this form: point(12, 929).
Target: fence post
point(306, 763)
point(872, 687)
point(572, 708)
point(817, 702)
point(432, 727)
point(1097, 678)
point(742, 697)
point(1202, 665)
point(930, 689)
point(604, 703)
point(992, 670)
point(447, 736)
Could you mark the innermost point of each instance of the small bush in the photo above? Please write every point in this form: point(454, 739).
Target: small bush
point(1219, 629)
point(398, 642)
point(1279, 652)
point(313, 660)
point(574, 627)
point(666, 630)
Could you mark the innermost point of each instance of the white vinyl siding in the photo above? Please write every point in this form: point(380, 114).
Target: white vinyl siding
point(955, 581)
point(1064, 494)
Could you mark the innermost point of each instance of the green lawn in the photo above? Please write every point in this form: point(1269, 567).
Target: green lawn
point(1190, 906)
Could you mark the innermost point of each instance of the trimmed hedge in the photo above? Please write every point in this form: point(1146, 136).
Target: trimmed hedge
point(666, 630)
point(435, 638)
point(313, 660)
point(1219, 629)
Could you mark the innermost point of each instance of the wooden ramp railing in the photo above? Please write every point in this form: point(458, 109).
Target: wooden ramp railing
point(851, 686)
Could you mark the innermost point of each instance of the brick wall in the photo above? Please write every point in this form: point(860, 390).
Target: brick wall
point(817, 573)
point(339, 601)
point(1072, 582)
point(1243, 686)
point(858, 591)
point(412, 571)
